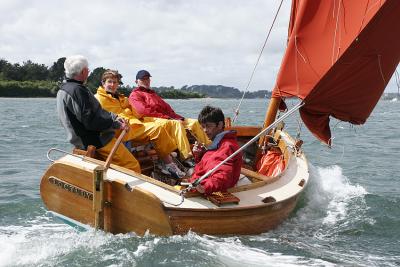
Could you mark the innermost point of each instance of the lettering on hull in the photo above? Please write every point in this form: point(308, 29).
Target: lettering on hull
point(70, 188)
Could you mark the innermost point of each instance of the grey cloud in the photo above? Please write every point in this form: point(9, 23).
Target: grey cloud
point(180, 42)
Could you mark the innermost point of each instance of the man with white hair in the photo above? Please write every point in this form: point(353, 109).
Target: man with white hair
point(83, 118)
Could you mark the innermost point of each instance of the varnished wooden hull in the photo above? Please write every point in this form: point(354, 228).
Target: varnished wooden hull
point(139, 211)
point(147, 205)
point(231, 221)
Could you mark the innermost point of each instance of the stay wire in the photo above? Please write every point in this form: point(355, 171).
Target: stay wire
point(255, 66)
point(397, 77)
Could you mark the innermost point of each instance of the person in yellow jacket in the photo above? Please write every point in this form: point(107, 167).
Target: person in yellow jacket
point(140, 131)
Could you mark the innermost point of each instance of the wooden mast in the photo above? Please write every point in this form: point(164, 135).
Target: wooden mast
point(270, 117)
point(271, 114)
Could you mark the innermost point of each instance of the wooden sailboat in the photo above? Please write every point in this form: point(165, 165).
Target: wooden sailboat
point(338, 61)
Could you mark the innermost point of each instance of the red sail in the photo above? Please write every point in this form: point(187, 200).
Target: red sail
point(340, 56)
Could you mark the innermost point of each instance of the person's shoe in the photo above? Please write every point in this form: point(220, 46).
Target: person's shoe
point(175, 171)
point(163, 169)
point(189, 162)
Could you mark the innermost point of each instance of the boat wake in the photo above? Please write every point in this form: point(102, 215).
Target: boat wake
point(239, 251)
point(47, 243)
point(42, 242)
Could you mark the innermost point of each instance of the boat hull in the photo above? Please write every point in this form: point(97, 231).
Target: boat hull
point(132, 202)
point(67, 189)
point(232, 221)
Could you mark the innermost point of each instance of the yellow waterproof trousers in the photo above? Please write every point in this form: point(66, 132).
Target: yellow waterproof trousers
point(150, 131)
point(177, 132)
point(196, 130)
point(176, 129)
point(122, 156)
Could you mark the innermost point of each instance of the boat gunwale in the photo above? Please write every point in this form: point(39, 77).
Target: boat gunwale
point(230, 208)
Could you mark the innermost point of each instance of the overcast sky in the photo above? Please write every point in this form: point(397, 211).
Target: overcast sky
point(181, 42)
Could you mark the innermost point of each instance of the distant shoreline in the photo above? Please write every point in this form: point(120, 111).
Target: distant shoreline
point(49, 89)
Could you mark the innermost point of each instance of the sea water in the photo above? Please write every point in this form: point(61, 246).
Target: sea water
point(349, 215)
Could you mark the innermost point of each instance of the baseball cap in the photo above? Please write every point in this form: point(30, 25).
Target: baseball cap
point(142, 74)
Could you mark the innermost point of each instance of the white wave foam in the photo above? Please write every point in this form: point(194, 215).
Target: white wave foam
point(231, 252)
point(331, 204)
point(333, 193)
point(50, 244)
point(38, 243)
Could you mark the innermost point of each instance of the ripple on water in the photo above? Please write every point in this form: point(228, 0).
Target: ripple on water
point(348, 214)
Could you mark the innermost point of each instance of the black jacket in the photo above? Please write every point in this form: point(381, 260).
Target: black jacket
point(83, 118)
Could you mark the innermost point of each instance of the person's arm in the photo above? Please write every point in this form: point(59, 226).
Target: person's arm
point(219, 180)
point(139, 103)
point(125, 102)
point(89, 112)
point(169, 111)
point(198, 151)
point(173, 115)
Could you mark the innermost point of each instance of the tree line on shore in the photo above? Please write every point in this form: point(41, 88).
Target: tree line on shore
point(31, 79)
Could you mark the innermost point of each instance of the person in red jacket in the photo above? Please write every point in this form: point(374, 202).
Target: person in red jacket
point(223, 145)
point(152, 108)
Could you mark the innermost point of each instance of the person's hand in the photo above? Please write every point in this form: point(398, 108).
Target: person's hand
point(200, 189)
point(198, 150)
point(198, 147)
point(124, 124)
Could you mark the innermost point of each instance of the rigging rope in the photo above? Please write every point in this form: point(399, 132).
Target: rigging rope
point(255, 66)
point(397, 76)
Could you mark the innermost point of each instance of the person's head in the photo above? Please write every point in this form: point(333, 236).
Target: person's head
point(143, 79)
point(110, 80)
point(212, 120)
point(76, 67)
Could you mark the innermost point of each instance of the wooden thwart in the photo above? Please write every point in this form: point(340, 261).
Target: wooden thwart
point(258, 176)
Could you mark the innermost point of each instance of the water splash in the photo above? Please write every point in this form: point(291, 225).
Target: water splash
point(232, 252)
point(50, 244)
point(333, 204)
point(43, 242)
point(207, 250)
point(338, 194)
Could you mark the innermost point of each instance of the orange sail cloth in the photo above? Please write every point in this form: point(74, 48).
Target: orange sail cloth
point(340, 56)
point(271, 164)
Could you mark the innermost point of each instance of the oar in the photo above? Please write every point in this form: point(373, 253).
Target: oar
point(114, 149)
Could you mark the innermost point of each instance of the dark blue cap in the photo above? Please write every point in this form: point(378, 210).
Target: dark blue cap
point(142, 74)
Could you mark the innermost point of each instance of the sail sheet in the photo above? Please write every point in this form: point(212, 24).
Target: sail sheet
point(339, 58)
